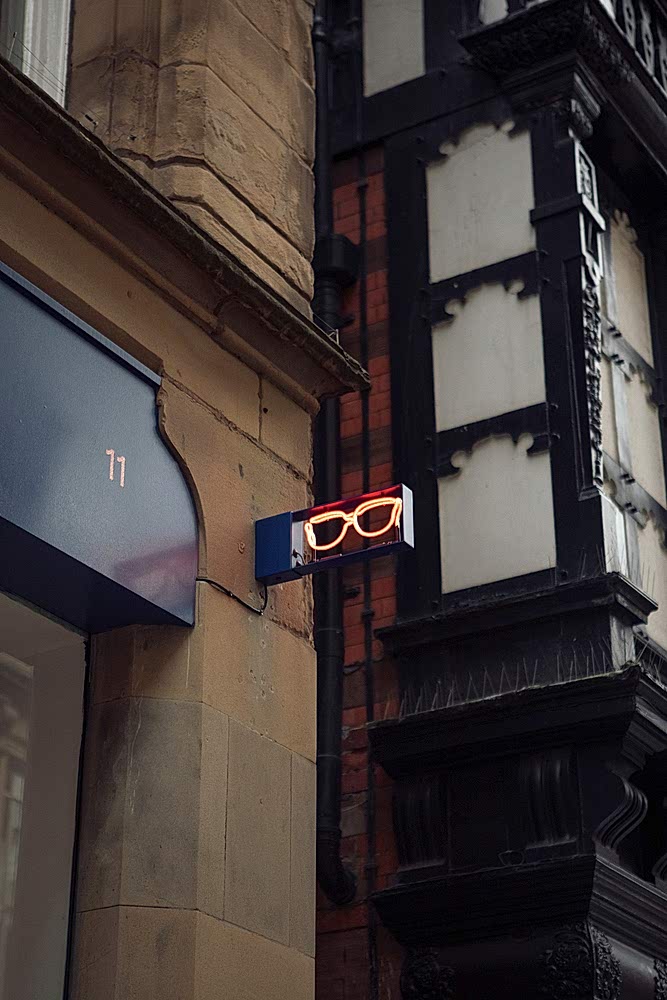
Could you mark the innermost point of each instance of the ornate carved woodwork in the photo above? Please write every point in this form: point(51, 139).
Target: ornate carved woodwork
point(423, 977)
point(580, 963)
point(523, 268)
point(532, 420)
point(660, 980)
point(547, 30)
point(624, 818)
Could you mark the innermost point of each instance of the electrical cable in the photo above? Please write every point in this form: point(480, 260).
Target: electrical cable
point(235, 597)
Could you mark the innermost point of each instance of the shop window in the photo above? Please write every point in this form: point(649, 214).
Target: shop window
point(34, 36)
point(42, 670)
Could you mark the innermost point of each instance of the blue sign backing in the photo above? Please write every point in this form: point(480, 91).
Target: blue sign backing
point(97, 525)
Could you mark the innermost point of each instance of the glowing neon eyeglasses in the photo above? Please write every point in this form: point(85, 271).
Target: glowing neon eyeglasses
point(393, 505)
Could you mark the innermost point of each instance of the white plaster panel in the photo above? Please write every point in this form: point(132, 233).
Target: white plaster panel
point(488, 359)
point(630, 284)
point(653, 557)
point(492, 10)
point(645, 442)
point(393, 43)
point(609, 6)
point(479, 200)
point(615, 543)
point(609, 435)
point(496, 514)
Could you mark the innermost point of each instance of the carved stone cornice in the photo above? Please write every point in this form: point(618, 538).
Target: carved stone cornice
point(549, 30)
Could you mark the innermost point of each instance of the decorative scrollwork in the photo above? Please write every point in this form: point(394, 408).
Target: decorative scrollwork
point(625, 817)
point(424, 978)
point(576, 115)
point(592, 335)
point(517, 43)
point(581, 964)
point(660, 980)
point(607, 967)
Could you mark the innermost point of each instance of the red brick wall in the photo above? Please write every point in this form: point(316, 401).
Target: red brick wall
point(342, 946)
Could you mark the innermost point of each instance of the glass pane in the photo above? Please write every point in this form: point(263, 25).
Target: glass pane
point(34, 36)
point(12, 21)
point(42, 670)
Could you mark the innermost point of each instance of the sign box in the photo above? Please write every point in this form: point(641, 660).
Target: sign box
point(97, 525)
point(292, 545)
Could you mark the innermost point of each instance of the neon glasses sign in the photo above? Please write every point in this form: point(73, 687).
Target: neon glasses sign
point(343, 521)
point(295, 544)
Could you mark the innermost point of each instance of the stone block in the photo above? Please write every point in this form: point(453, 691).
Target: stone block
point(302, 855)
point(287, 24)
point(257, 672)
point(286, 428)
point(214, 206)
point(291, 604)
point(212, 812)
point(200, 116)
point(163, 665)
point(161, 823)
point(257, 882)
point(133, 112)
point(258, 73)
point(184, 31)
point(103, 793)
point(148, 661)
point(93, 30)
point(157, 954)
point(90, 94)
point(94, 963)
point(154, 799)
point(137, 29)
point(112, 658)
point(232, 962)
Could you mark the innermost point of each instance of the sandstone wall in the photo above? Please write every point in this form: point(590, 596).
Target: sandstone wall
point(214, 103)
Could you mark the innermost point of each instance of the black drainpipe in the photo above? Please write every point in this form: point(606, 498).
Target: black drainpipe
point(334, 267)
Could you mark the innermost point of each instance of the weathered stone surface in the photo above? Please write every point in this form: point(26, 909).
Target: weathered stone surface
point(286, 23)
point(141, 953)
point(198, 115)
point(286, 428)
point(251, 967)
point(94, 966)
point(196, 867)
point(256, 671)
point(154, 801)
point(302, 871)
point(145, 661)
point(225, 87)
point(257, 883)
point(237, 482)
point(215, 207)
point(256, 70)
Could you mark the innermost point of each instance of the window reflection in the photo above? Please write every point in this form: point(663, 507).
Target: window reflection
point(15, 685)
point(42, 667)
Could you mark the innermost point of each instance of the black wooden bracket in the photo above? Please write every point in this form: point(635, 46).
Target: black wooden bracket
point(532, 420)
point(525, 267)
point(631, 496)
point(621, 352)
